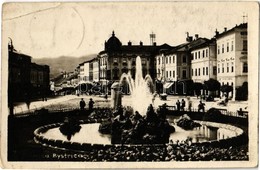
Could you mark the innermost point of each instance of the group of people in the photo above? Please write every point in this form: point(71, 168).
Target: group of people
point(82, 104)
point(180, 105)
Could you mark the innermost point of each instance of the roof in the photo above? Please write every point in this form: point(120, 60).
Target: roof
point(187, 46)
point(87, 61)
point(139, 49)
point(241, 26)
point(205, 44)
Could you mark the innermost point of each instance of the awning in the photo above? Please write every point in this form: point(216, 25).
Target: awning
point(167, 85)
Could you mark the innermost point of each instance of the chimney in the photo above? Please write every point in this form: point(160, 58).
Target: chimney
point(154, 44)
point(196, 36)
point(225, 29)
point(190, 38)
point(129, 43)
point(141, 43)
point(216, 32)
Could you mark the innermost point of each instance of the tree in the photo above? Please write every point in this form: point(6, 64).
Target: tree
point(197, 87)
point(226, 89)
point(212, 85)
point(242, 92)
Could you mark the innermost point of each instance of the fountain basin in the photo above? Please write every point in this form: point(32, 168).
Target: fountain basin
point(89, 136)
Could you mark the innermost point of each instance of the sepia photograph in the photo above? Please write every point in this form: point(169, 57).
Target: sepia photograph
point(129, 84)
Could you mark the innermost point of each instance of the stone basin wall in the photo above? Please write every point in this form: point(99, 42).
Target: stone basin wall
point(238, 140)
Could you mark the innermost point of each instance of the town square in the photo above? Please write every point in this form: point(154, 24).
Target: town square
point(154, 85)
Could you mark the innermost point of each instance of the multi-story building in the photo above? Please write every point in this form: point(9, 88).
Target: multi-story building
point(174, 66)
point(204, 62)
point(117, 59)
point(39, 80)
point(232, 66)
point(95, 67)
point(26, 80)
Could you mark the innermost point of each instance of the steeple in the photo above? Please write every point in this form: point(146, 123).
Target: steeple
point(113, 33)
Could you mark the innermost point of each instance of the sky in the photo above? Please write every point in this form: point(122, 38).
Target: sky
point(79, 29)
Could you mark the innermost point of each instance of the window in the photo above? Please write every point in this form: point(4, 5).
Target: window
point(199, 72)
point(195, 72)
point(170, 59)
point(203, 53)
point(173, 73)
point(184, 59)
point(244, 44)
point(222, 48)
point(227, 47)
point(158, 60)
point(173, 59)
point(191, 72)
point(203, 71)
point(207, 71)
point(166, 60)
point(227, 67)
point(223, 68)
point(232, 67)
point(184, 74)
point(206, 52)
point(214, 70)
point(170, 73)
point(218, 50)
point(245, 69)
point(192, 56)
point(199, 55)
point(195, 55)
point(218, 68)
point(232, 45)
point(167, 74)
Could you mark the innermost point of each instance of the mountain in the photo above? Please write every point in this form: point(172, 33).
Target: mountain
point(63, 63)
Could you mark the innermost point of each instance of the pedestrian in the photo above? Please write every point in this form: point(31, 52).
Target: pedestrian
point(178, 104)
point(106, 97)
point(183, 103)
point(82, 104)
point(91, 104)
point(201, 107)
point(189, 104)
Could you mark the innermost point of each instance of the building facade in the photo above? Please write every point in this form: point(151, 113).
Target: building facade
point(204, 62)
point(117, 59)
point(173, 67)
point(232, 62)
point(26, 80)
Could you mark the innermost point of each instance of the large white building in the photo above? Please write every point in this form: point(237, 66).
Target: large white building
point(232, 57)
point(204, 62)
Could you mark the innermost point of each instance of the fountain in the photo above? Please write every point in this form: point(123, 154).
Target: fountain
point(140, 124)
point(141, 93)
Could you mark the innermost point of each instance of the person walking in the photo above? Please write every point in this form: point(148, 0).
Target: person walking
point(201, 107)
point(178, 105)
point(82, 104)
point(189, 104)
point(91, 104)
point(183, 103)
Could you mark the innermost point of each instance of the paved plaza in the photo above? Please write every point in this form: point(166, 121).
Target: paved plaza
point(72, 102)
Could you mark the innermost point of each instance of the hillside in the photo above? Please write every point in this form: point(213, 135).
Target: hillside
point(63, 63)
